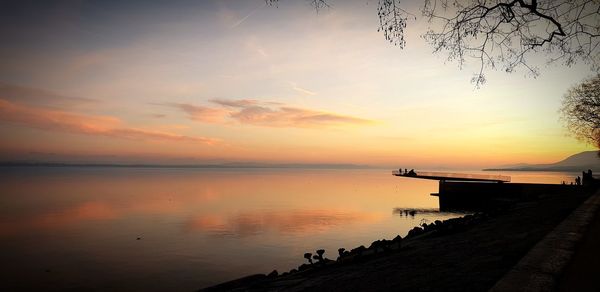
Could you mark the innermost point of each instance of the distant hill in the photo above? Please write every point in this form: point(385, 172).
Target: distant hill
point(578, 162)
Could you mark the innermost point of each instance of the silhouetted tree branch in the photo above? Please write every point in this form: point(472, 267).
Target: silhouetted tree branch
point(317, 4)
point(581, 111)
point(500, 34)
point(392, 21)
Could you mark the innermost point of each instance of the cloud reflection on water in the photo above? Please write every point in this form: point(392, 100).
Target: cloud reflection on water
point(283, 222)
point(87, 211)
point(226, 203)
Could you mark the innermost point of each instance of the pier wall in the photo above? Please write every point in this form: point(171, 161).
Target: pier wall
point(485, 195)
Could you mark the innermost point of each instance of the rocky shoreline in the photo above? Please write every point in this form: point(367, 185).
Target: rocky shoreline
point(467, 253)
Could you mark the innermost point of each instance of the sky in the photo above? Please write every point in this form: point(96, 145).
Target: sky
point(241, 81)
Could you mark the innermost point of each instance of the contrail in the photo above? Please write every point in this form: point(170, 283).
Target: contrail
point(243, 19)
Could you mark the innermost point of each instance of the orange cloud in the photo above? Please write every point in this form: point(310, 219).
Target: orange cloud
point(202, 113)
point(240, 103)
point(269, 114)
point(292, 117)
point(54, 120)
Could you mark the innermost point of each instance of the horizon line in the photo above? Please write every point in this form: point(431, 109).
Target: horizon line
point(230, 165)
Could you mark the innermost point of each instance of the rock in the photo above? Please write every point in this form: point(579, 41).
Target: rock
point(320, 253)
point(308, 256)
point(358, 250)
point(375, 244)
point(415, 231)
point(303, 267)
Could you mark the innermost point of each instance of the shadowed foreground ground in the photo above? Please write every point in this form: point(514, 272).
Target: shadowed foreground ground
point(470, 260)
point(581, 274)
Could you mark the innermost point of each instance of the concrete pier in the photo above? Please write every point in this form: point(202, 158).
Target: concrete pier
point(484, 195)
point(474, 192)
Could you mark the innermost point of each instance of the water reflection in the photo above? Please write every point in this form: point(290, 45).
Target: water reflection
point(50, 200)
point(402, 212)
point(52, 220)
point(82, 223)
point(282, 222)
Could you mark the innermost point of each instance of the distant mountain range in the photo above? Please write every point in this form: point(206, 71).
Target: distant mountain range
point(578, 162)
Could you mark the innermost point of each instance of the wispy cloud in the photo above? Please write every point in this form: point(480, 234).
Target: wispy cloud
point(39, 97)
point(292, 117)
point(268, 114)
point(61, 121)
point(240, 103)
point(301, 90)
point(201, 113)
point(237, 23)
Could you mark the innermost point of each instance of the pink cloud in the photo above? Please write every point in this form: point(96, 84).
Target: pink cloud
point(55, 120)
point(268, 114)
point(285, 116)
point(241, 103)
point(202, 113)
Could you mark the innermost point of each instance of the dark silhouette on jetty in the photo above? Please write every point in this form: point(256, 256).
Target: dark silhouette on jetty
point(447, 176)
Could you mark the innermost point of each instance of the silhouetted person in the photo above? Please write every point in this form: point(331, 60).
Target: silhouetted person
point(578, 181)
point(405, 171)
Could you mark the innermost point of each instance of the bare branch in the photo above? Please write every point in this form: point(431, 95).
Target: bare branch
point(507, 33)
point(392, 21)
point(499, 34)
point(316, 4)
point(580, 111)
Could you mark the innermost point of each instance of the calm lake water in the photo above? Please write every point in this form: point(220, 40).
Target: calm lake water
point(183, 229)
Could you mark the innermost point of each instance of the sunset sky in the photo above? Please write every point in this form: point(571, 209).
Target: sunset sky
point(240, 81)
